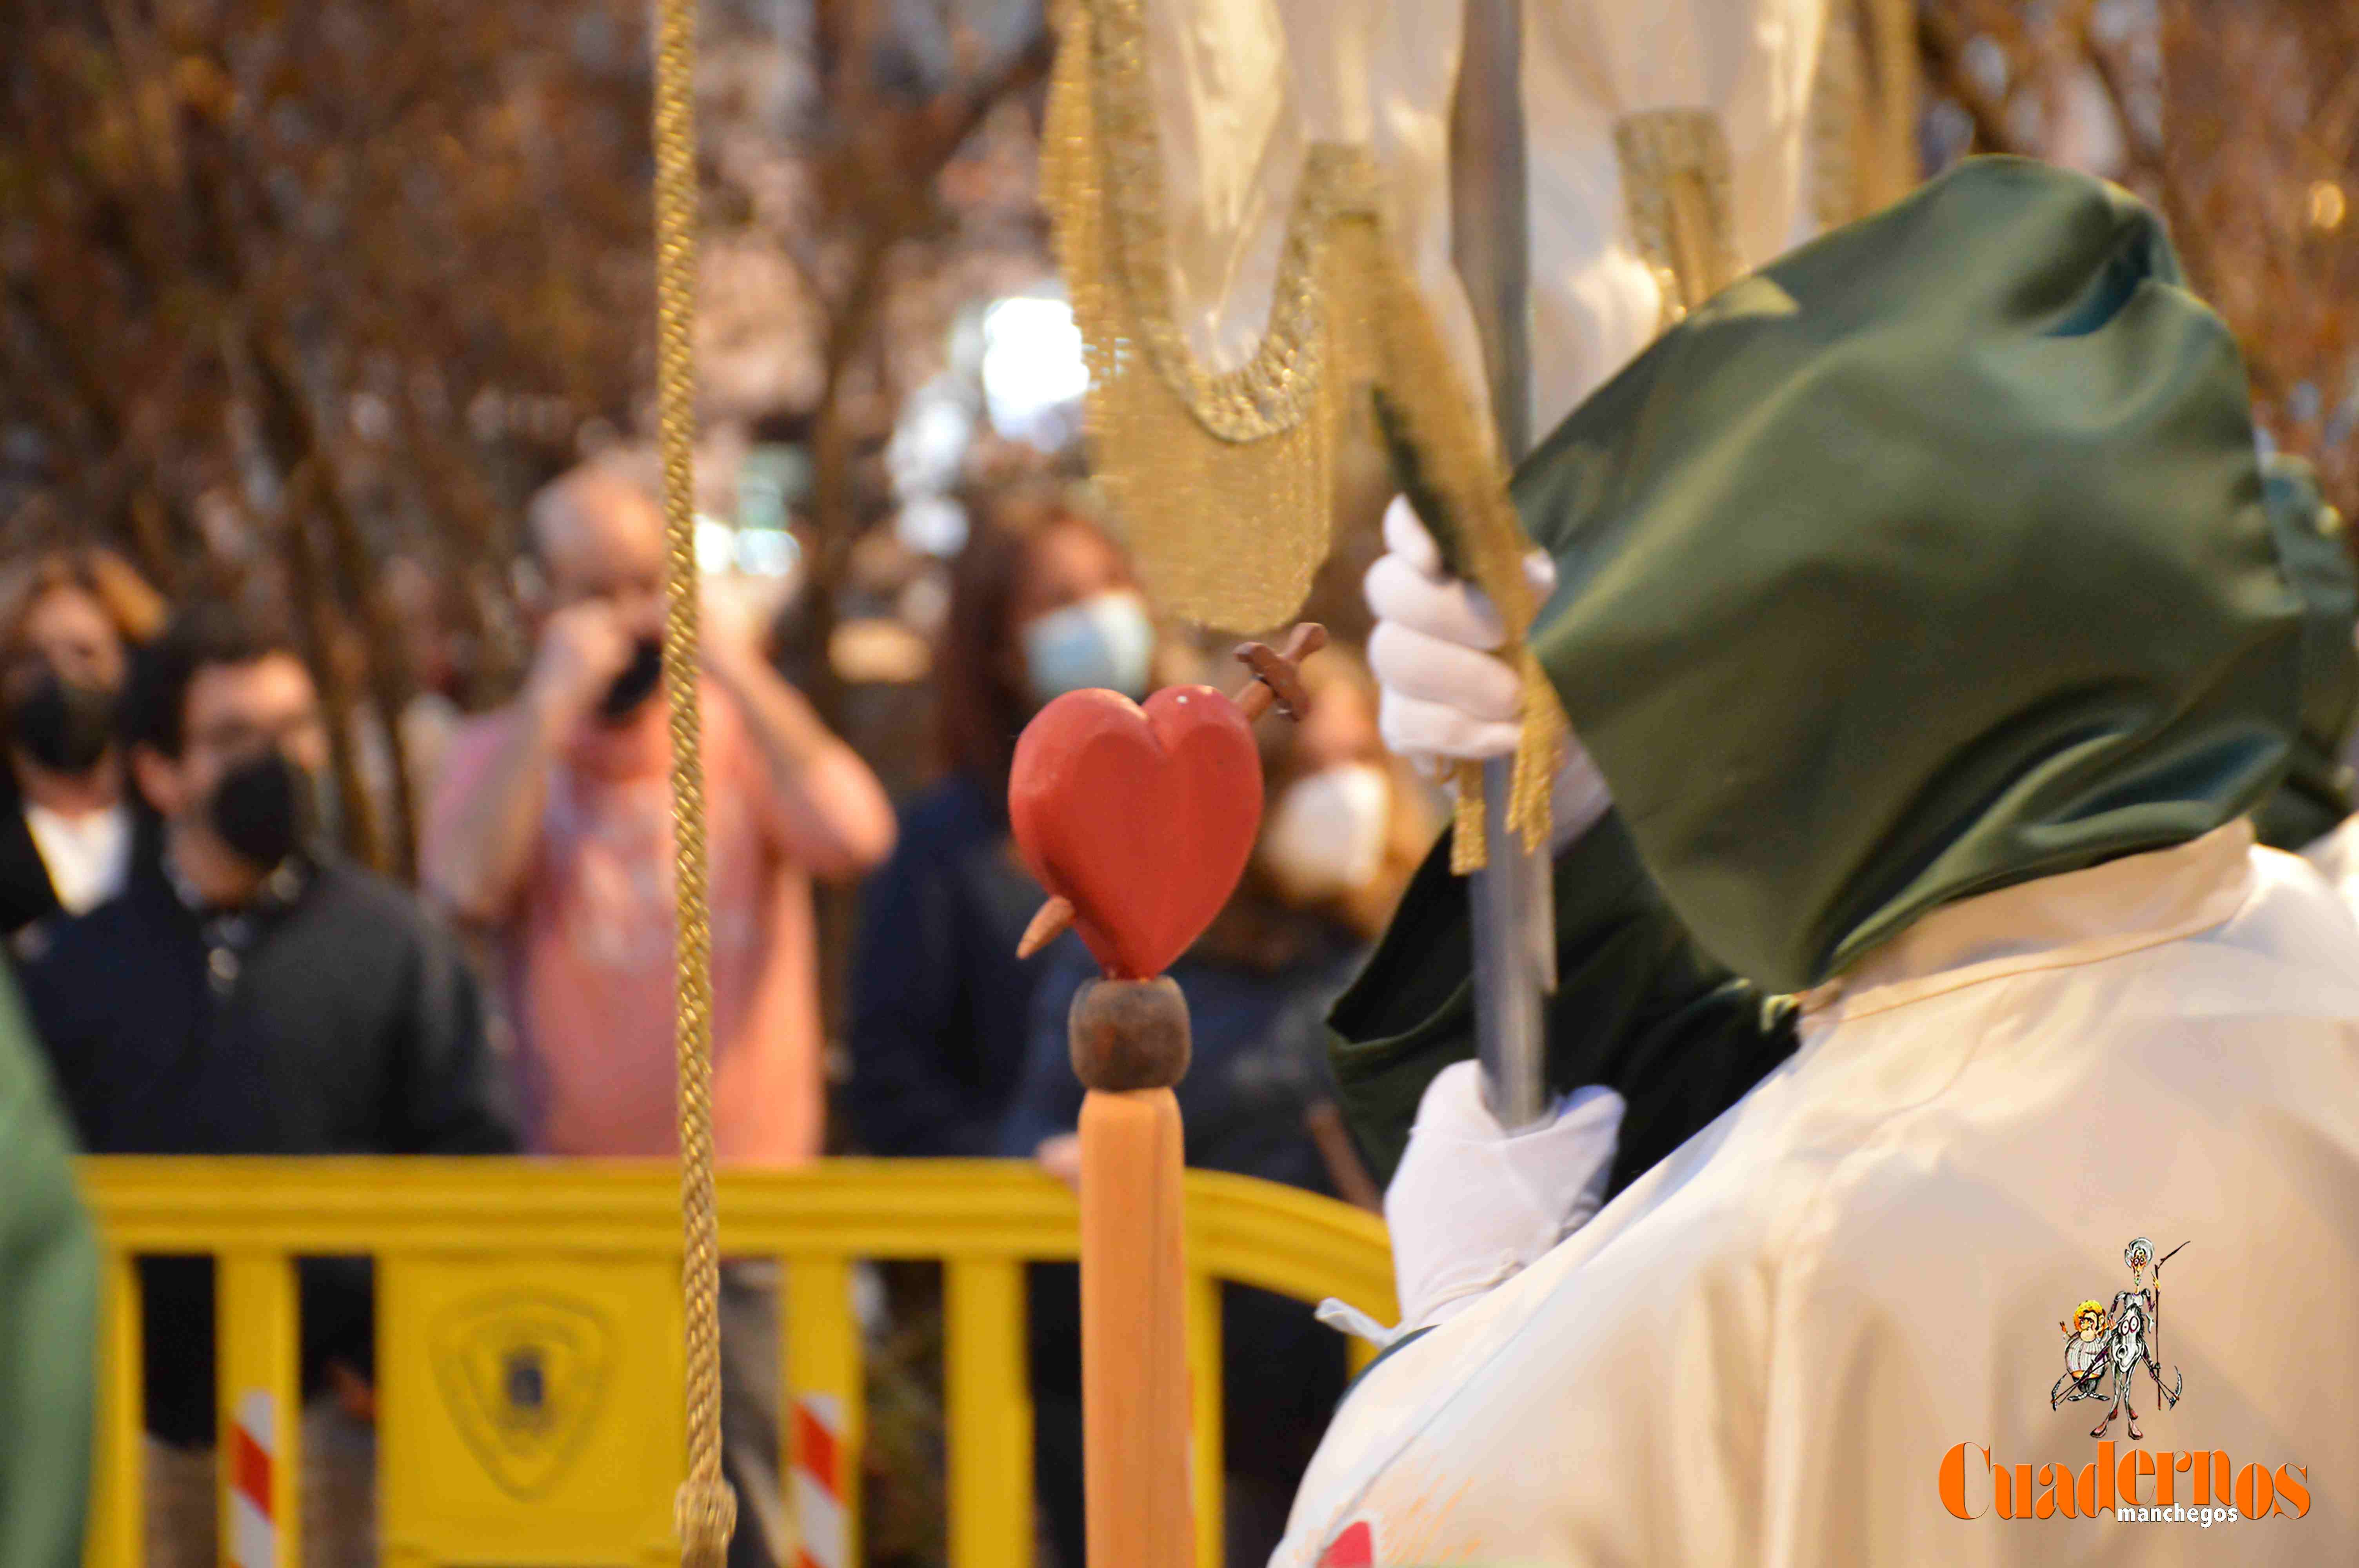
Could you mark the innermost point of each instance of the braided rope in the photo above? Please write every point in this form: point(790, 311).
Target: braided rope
point(706, 1509)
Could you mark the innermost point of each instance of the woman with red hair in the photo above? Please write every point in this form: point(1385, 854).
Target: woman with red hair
point(70, 620)
point(1041, 603)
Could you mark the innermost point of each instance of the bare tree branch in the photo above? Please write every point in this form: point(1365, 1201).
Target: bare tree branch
point(1944, 55)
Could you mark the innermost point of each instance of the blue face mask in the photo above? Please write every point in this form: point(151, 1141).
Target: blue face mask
point(1102, 642)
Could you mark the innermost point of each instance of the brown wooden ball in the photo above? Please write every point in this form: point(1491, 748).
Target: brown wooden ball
point(1129, 1034)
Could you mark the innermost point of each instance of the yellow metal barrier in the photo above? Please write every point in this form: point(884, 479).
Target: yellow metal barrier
point(528, 1331)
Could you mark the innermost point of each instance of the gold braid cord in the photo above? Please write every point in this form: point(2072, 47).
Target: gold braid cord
point(1226, 479)
point(706, 1511)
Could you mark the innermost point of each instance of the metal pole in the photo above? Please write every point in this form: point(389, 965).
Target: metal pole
point(1513, 907)
point(1490, 229)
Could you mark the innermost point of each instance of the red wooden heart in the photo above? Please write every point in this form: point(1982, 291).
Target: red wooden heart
point(1142, 818)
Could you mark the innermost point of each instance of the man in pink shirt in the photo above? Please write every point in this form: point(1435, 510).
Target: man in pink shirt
point(551, 830)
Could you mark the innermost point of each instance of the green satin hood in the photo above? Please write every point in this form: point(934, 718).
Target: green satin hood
point(2316, 794)
point(1929, 559)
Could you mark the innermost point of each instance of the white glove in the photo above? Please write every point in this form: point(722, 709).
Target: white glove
point(1445, 697)
point(1470, 1206)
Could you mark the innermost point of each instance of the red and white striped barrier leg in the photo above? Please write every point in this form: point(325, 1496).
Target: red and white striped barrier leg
point(818, 1483)
point(253, 1524)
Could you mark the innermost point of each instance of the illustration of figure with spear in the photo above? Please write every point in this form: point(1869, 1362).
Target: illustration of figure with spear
point(2137, 1317)
point(2122, 1337)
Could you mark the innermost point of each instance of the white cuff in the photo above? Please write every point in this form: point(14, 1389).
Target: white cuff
point(1345, 1318)
point(1578, 798)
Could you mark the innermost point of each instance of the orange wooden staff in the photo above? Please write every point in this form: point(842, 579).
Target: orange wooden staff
point(1129, 1044)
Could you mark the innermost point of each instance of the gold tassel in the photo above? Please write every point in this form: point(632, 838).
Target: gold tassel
point(1458, 460)
point(1467, 846)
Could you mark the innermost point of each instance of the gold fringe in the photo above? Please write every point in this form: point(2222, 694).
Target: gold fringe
point(1678, 187)
point(1460, 462)
point(1839, 124)
point(1226, 481)
point(1468, 849)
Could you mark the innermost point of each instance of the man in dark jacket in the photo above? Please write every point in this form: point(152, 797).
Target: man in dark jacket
point(253, 994)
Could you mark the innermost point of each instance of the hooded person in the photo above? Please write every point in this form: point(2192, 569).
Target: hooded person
point(1929, 643)
point(2310, 815)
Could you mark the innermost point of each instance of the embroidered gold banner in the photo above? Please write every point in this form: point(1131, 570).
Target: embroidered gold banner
point(1226, 480)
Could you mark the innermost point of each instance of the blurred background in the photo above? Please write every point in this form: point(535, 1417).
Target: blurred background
point(300, 303)
point(315, 296)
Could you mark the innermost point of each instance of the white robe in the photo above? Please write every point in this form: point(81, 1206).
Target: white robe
point(1241, 87)
point(2336, 857)
point(1762, 1352)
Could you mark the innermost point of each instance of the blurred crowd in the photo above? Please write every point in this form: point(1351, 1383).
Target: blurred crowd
point(206, 973)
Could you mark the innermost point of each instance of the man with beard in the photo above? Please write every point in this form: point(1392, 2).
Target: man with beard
point(252, 993)
point(551, 830)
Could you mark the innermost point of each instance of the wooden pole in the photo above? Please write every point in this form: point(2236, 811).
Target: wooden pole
point(1129, 1044)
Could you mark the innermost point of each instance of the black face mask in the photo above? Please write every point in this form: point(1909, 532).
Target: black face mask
point(64, 725)
point(636, 684)
point(263, 808)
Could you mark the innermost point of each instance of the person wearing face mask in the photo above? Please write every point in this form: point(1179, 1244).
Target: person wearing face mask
point(1041, 603)
point(1343, 830)
point(551, 833)
point(69, 620)
point(282, 1002)
point(1343, 826)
